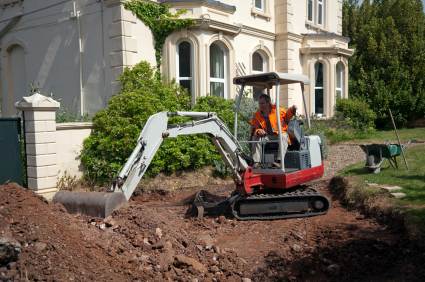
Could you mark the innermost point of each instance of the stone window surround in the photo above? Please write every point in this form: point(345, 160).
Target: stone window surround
point(313, 23)
point(264, 13)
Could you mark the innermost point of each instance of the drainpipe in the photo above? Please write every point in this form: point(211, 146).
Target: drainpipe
point(76, 15)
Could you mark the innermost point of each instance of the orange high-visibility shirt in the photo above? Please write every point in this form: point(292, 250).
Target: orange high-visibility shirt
point(259, 122)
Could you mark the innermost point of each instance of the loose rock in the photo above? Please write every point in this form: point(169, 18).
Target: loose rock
point(182, 260)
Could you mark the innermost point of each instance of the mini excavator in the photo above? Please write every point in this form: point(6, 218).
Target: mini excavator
point(262, 192)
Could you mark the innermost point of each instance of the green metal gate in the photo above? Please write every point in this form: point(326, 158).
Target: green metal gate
point(10, 151)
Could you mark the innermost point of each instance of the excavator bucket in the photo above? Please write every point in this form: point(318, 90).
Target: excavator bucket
point(96, 204)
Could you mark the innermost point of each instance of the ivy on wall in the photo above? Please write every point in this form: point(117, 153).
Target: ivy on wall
point(158, 18)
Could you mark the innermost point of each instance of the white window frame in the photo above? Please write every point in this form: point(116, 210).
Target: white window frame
point(319, 88)
point(339, 74)
point(265, 63)
point(178, 77)
point(317, 5)
point(263, 6)
point(320, 7)
point(217, 79)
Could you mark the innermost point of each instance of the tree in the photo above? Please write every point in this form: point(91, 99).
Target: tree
point(387, 69)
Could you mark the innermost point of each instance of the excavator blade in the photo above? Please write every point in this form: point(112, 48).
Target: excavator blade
point(96, 204)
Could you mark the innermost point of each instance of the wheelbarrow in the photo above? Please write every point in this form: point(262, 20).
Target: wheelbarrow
point(377, 153)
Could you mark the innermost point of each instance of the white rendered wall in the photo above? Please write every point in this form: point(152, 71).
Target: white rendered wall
point(69, 142)
point(50, 39)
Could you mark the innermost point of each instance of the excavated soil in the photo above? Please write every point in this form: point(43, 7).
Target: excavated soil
point(152, 239)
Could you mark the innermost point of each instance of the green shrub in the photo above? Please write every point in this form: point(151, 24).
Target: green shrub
point(356, 113)
point(117, 127)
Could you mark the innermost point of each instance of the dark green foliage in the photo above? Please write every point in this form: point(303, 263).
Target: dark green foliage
point(356, 113)
point(388, 67)
point(117, 127)
point(159, 20)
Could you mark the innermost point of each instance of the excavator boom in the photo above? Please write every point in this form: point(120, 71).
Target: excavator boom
point(150, 139)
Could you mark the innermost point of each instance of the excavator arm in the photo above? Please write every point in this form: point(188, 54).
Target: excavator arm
point(157, 129)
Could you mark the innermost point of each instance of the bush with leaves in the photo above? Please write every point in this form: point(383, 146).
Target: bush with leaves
point(117, 127)
point(356, 113)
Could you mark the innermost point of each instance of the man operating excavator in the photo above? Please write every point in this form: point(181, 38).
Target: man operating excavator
point(265, 127)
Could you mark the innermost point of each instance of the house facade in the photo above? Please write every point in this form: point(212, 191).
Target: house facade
point(76, 50)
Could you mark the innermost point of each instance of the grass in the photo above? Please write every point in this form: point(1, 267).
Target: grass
point(411, 181)
point(339, 131)
point(406, 134)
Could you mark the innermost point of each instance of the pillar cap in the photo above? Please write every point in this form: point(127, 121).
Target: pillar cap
point(37, 102)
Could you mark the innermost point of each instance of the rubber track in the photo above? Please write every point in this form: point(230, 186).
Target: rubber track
point(288, 195)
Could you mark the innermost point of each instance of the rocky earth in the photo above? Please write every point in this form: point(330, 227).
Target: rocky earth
point(152, 239)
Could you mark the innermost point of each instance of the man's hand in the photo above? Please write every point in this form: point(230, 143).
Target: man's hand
point(260, 132)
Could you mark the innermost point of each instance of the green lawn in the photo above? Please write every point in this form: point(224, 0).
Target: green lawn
point(405, 134)
point(336, 133)
point(412, 181)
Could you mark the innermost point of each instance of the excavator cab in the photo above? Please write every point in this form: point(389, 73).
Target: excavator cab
point(297, 156)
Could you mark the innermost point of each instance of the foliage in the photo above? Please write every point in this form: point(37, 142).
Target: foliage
point(356, 113)
point(117, 127)
point(387, 69)
point(63, 115)
point(159, 20)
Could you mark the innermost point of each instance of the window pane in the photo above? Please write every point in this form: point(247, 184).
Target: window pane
point(217, 89)
point(339, 75)
point(259, 4)
point(186, 84)
point(320, 14)
point(318, 101)
point(184, 60)
point(318, 68)
point(310, 10)
point(216, 61)
point(257, 62)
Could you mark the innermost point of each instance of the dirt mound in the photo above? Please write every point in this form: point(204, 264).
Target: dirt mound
point(151, 239)
point(55, 245)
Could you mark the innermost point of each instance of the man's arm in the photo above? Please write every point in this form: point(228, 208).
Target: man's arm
point(290, 113)
point(256, 129)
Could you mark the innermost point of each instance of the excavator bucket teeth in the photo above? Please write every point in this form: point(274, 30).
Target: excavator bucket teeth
point(96, 204)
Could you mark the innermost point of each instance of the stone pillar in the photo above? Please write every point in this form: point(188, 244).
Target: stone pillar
point(39, 113)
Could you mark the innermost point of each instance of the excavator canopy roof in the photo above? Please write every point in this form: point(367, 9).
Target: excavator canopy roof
point(269, 79)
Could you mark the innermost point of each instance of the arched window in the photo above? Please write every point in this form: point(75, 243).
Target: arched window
point(218, 70)
point(339, 87)
point(184, 65)
point(318, 89)
point(259, 64)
